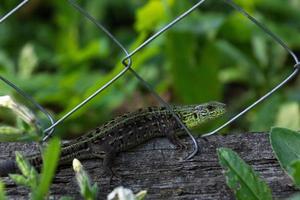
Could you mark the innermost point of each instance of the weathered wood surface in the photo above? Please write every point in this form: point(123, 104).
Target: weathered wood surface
point(157, 167)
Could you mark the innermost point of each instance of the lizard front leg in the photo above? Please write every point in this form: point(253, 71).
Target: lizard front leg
point(173, 137)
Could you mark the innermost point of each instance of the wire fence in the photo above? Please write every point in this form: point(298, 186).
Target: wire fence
point(127, 63)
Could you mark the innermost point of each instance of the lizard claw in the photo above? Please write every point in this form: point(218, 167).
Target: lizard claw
point(181, 146)
point(112, 175)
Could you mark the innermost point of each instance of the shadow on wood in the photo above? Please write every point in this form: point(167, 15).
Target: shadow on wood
point(158, 167)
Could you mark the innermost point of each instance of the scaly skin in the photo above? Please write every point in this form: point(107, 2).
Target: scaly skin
point(127, 131)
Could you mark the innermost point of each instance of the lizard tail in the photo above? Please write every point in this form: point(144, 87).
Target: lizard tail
point(7, 167)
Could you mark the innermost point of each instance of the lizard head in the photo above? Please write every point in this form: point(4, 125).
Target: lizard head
point(194, 115)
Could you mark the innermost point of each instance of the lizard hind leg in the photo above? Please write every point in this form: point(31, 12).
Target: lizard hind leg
point(173, 138)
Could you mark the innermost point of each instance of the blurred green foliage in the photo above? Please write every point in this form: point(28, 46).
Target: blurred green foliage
point(26, 126)
point(59, 57)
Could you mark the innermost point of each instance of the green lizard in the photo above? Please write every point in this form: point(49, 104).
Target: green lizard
point(127, 131)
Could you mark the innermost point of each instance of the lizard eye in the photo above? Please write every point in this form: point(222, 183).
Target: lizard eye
point(210, 107)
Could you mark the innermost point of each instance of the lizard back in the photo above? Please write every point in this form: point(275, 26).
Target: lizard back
point(129, 130)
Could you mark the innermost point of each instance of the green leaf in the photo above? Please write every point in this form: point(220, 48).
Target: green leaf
point(295, 169)
point(33, 178)
point(285, 144)
point(10, 130)
point(19, 179)
point(23, 164)
point(29, 177)
point(2, 191)
point(141, 195)
point(50, 161)
point(242, 178)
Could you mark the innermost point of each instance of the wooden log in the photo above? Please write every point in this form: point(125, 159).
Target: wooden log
point(159, 168)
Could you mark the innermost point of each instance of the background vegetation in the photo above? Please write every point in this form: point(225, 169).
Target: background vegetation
point(60, 58)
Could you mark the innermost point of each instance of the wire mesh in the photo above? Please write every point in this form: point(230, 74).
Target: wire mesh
point(127, 62)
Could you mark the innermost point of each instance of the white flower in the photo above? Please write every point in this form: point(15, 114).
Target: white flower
point(121, 193)
point(76, 165)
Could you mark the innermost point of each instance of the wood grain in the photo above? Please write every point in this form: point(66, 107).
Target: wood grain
point(159, 168)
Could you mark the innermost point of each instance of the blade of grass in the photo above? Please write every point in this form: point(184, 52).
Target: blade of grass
point(50, 162)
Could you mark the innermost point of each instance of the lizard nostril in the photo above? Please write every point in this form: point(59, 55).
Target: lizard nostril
point(195, 115)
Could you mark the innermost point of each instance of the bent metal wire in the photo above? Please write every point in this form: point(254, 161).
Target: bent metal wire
point(127, 64)
point(12, 11)
point(281, 43)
